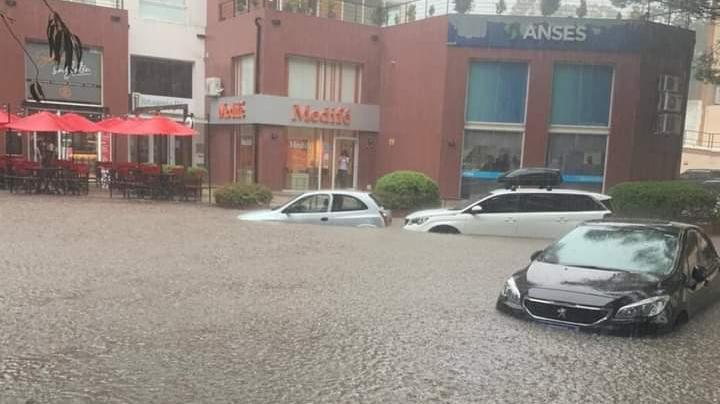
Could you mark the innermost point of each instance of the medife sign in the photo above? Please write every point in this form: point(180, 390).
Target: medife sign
point(285, 111)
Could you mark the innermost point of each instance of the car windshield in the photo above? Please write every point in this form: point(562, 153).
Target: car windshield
point(630, 249)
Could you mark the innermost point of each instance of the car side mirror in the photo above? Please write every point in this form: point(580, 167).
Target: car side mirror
point(476, 209)
point(699, 273)
point(535, 255)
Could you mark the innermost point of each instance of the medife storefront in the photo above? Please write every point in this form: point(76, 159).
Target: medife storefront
point(302, 144)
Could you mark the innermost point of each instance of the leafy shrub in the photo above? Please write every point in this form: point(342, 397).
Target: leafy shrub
point(196, 172)
point(670, 200)
point(407, 190)
point(243, 196)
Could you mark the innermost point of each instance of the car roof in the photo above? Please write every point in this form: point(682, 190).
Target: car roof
point(664, 225)
point(536, 190)
point(337, 191)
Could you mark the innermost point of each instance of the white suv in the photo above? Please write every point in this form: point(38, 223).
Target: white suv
point(524, 212)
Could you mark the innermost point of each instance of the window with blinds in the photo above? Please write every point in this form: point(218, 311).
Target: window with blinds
point(324, 80)
point(244, 75)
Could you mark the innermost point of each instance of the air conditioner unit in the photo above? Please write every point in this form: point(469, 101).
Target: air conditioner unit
point(669, 124)
point(669, 83)
point(213, 86)
point(670, 102)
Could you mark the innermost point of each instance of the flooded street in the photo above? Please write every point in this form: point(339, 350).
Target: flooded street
point(114, 302)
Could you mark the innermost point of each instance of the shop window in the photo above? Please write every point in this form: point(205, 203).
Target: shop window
point(497, 92)
point(169, 78)
point(302, 159)
point(163, 10)
point(581, 95)
point(13, 143)
point(244, 74)
point(581, 158)
point(139, 149)
point(486, 155)
point(245, 154)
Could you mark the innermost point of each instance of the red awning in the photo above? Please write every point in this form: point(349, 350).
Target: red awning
point(79, 123)
point(40, 122)
point(158, 125)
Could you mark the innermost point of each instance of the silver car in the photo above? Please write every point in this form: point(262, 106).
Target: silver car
point(340, 208)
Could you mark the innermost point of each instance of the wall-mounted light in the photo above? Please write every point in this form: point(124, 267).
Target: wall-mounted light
point(374, 37)
point(274, 136)
point(115, 18)
point(201, 36)
point(451, 143)
point(391, 141)
point(276, 22)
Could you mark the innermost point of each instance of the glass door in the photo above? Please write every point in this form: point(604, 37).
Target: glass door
point(345, 162)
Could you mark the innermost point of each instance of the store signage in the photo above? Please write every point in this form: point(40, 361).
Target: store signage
point(105, 147)
point(81, 86)
point(514, 32)
point(549, 32)
point(284, 111)
point(332, 116)
point(145, 100)
point(234, 110)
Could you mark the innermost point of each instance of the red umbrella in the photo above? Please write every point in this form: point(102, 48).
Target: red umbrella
point(40, 122)
point(108, 123)
point(6, 118)
point(161, 125)
point(158, 125)
point(123, 127)
point(79, 123)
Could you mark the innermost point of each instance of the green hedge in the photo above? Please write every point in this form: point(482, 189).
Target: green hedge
point(407, 190)
point(243, 196)
point(670, 200)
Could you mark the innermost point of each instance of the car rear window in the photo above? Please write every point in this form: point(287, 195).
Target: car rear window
point(376, 200)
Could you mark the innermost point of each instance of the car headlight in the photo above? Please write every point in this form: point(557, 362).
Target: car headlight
point(419, 220)
point(644, 308)
point(510, 293)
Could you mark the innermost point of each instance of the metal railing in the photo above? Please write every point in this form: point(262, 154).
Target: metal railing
point(119, 4)
point(383, 13)
point(706, 141)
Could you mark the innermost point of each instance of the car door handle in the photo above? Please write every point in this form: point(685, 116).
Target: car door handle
point(324, 219)
point(562, 220)
point(510, 220)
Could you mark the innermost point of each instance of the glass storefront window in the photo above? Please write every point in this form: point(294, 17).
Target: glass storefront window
point(302, 159)
point(581, 95)
point(245, 154)
point(581, 158)
point(13, 143)
point(486, 155)
point(160, 149)
point(140, 149)
point(497, 92)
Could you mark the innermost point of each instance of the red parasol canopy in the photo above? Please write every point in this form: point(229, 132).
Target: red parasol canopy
point(158, 125)
point(40, 122)
point(107, 124)
point(6, 118)
point(79, 123)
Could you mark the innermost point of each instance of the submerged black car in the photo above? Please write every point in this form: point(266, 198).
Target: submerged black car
point(617, 276)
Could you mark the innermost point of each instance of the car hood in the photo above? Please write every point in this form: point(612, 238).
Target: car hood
point(433, 213)
point(595, 287)
point(259, 215)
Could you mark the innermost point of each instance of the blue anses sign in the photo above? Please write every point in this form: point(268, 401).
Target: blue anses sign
point(545, 33)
